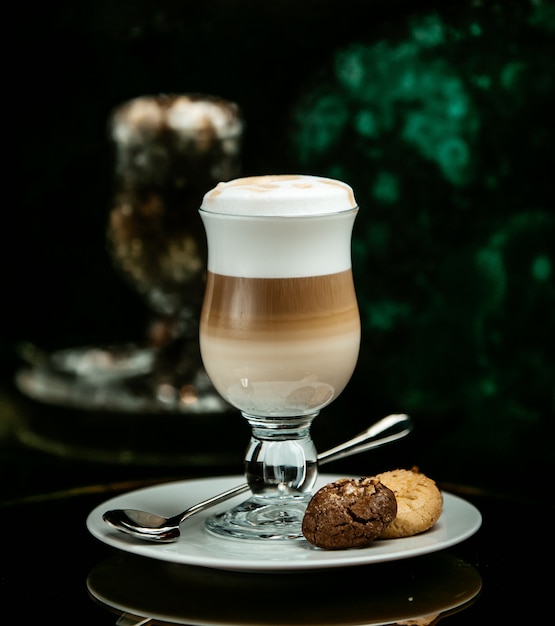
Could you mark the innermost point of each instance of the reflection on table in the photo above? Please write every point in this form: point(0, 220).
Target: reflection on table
point(426, 589)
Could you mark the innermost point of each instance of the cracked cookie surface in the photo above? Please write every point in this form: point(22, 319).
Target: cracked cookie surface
point(349, 513)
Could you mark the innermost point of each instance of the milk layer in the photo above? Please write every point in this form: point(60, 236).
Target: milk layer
point(280, 346)
point(279, 226)
point(279, 247)
point(293, 376)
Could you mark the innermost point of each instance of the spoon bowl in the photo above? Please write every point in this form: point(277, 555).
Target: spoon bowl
point(151, 527)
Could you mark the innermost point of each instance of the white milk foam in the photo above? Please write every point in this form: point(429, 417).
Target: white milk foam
point(286, 195)
point(279, 226)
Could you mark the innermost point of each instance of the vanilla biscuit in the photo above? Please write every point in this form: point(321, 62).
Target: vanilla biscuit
point(348, 513)
point(419, 502)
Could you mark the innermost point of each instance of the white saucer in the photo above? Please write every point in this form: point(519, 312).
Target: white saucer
point(196, 546)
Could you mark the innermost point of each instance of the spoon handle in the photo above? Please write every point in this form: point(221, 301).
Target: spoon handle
point(221, 497)
point(399, 425)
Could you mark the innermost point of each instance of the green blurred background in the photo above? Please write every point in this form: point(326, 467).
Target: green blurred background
point(439, 114)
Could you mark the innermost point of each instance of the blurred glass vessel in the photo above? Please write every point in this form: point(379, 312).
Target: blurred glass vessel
point(169, 151)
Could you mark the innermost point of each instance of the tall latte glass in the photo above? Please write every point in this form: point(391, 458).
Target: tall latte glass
point(279, 331)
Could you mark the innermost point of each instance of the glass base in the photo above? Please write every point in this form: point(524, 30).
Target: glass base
point(257, 518)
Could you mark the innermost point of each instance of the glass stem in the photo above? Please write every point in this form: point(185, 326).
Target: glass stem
point(281, 459)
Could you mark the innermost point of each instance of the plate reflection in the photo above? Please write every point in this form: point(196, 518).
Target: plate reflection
point(421, 591)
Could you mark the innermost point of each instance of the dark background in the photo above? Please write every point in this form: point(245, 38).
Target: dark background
point(439, 114)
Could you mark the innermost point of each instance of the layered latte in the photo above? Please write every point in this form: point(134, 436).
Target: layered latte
point(280, 328)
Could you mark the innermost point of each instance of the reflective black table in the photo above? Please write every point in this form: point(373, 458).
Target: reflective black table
point(52, 569)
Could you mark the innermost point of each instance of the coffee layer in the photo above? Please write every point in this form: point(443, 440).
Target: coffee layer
point(236, 305)
point(280, 346)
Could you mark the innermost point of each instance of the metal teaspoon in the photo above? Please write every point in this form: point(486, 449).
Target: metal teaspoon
point(152, 527)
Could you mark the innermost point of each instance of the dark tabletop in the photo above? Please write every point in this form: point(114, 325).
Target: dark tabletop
point(52, 568)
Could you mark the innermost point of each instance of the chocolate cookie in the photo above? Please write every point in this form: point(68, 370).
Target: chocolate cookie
point(419, 502)
point(349, 513)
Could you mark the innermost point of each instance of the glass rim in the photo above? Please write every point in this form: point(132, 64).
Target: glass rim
point(280, 217)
